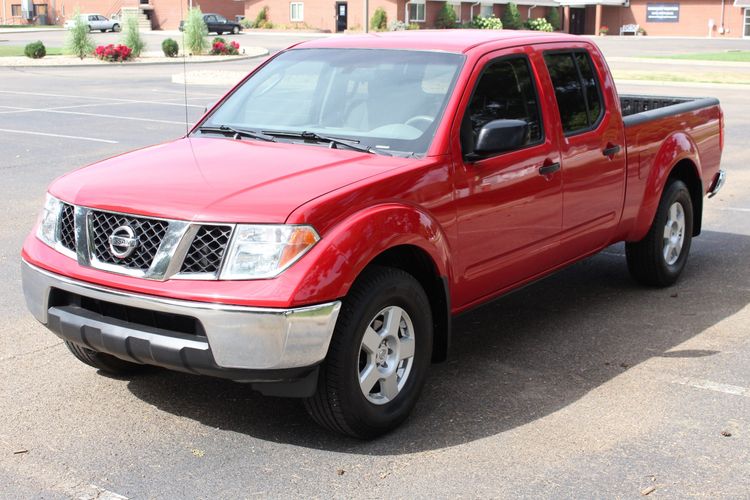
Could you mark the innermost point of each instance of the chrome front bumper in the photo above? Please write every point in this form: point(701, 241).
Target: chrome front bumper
point(236, 337)
point(717, 183)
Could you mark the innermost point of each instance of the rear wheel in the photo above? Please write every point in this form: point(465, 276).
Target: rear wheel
point(659, 258)
point(104, 362)
point(235, 30)
point(379, 355)
point(116, 28)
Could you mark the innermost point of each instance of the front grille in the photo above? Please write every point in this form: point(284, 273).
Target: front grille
point(149, 232)
point(67, 227)
point(207, 250)
point(170, 322)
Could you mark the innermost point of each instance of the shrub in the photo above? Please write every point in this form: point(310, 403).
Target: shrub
point(170, 47)
point(487, 23)
point(133, 37)
point(78, 41)
point(261, 20)
point(247, 23)
point(379, 21)
point(511, 17)
point(604, 30)
point(554, 18)
point(113, 53)
point(35, 50)
point(221, 48)
point(397, 26)
point(195, 30)
point(413, 26)
point(446, 18)
point(539, 24)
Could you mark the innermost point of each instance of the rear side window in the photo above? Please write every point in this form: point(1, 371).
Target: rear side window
point(576, 89)
point(504, 91)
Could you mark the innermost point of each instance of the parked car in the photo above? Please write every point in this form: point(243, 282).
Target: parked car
point(317, 230)
point(218, 24)
point(95, 22)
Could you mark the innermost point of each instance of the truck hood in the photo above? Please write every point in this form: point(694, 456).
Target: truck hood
point(218, 179)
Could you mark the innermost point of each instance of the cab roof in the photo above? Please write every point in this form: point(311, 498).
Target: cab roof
point(459, 40)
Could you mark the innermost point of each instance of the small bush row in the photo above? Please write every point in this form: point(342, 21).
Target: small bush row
point(220, 47)
point(113, 53)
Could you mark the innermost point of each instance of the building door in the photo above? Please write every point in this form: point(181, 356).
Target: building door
point(341, 15)
point(746, 32)
point(577, 21)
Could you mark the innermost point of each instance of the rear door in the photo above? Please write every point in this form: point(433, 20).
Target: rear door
point(509, 205)
point(592, 147)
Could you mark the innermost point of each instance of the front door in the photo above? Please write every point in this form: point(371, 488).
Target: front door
point(341, 15)
point(509, 204)
point(577, 21)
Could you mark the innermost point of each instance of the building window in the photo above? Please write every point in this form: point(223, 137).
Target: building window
point(487, 10)
point(415, 12)
point(296, 12)
point(457, 9)
point(747, 23)
point(15, 10)
point(40, 9)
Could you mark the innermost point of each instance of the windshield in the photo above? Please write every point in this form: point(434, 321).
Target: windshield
point(387, 101)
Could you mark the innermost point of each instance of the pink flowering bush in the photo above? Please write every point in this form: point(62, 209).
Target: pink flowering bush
point(221, 48)
point(113, 53)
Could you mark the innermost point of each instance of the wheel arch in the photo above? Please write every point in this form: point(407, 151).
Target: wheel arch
point(677, 158)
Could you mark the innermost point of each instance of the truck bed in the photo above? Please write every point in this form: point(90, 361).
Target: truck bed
point(642, 108)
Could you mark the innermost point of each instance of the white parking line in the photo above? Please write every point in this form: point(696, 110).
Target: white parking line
point(98, 115)
point(732, 209)
point(93, 98)
point(30, 132)
point(698, 383)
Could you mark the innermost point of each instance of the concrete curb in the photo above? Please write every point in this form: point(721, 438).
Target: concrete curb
point(679, 62)
point(260, 52)
point(699, 85)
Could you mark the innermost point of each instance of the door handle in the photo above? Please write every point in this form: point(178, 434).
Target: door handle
point(611, 150)
point(549, 168)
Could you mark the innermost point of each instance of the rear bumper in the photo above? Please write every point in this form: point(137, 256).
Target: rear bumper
point(237, 342)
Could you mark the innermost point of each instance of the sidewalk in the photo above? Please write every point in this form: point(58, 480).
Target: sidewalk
point(30, 29)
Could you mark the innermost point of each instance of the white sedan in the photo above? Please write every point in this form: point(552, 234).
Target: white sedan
point(95, 22)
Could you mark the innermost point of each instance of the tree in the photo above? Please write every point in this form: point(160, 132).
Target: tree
point(195, 30)
point(379, 21)
point(133, 37)
point(554, 17)
point(446, 18)
point(78, 41)
point(511, 17)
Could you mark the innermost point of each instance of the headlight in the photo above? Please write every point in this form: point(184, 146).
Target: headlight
point(49, 220)
point(264, 251)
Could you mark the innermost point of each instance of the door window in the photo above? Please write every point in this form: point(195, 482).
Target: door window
point(577, 90)
point(505, 90)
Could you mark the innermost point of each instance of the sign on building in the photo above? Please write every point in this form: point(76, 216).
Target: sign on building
point(662, 12)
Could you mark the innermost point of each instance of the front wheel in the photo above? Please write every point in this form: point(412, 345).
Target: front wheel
point(378, 359)
point(102, 361)
point(659, 258)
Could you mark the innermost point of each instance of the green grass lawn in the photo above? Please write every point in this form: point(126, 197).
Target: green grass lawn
point(734, 56)
point(17, 50)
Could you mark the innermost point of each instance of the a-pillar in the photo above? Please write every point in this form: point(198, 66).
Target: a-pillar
point(566, 18)
point(598, 18)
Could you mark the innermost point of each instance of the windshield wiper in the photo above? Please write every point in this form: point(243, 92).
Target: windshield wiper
point(237, 132)
point(333, 141)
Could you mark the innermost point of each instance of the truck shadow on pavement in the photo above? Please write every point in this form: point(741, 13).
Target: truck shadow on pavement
point(513, 361)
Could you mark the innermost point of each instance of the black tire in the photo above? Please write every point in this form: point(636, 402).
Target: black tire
point(104, 362)
point(115, 28)
point(235, 30)
point(646, 260)
point(103, 31)
point(339, 403)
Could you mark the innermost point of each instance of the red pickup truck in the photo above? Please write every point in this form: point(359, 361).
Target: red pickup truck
point(316, 231)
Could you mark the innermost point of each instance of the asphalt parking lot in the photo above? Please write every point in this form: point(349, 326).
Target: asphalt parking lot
point(582, 385)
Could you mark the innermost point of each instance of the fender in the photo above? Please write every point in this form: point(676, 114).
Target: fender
point(677, 147)
point(347, 248)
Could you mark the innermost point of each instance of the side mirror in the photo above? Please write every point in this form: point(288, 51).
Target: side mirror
point(500, 135)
